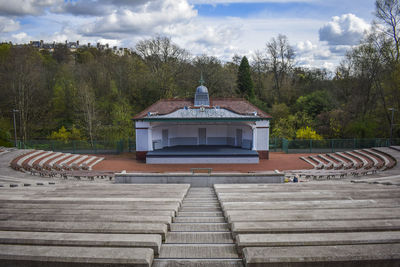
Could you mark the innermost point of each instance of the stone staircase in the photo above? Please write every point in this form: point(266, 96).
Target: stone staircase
point(199, 234)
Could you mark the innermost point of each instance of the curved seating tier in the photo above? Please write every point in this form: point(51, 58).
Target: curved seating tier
point(313, 224)
point(343, 164)
point(113, 225)
point(49, 163)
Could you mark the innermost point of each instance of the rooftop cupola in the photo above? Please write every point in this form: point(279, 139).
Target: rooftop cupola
point(201, 97)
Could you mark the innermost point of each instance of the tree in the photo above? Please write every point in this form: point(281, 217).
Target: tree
point(87, 107)
point(244, 82)
point(314, 103)
point(307, 133)
point(165, 61)
point(281, 56)
point(388, 12)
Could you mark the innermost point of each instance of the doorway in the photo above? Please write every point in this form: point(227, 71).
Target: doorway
point(202, 136)
point(239, 136)
point(164, 140)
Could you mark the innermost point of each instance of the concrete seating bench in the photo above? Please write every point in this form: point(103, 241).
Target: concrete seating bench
point(312, 215)
point(389, 162)
point(346, 255)
point(70, 207)
point(346, 165)
point(201, 170)
point(25, 255)
point(315, 226)
point(87, 218)
point(131, 212)
point(315, 239)
point(313, 163)
point(84, 227)
point(336, 165)
point(326, 165)
point(152, 241)
point(355, 164)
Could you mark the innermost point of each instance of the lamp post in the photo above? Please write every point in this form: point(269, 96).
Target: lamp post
point(15, 126)
point(391, 125)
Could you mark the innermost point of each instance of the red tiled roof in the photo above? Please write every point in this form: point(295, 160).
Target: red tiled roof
point(237, 105)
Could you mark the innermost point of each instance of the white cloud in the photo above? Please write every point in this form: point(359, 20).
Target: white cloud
point(25, 7)
point(305, 46)
point(8, 25)
point(150, 18)
point(21, 38)
point(315, 54)
point(214, 2)
point(347, 29)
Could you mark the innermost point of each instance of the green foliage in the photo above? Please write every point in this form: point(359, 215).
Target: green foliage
point(362, 128)
point(314, 103)
point(5, 136)
point(64, 135)
point(279, 111)
point(244, 81)
point(99, 91)
point(4, 51)
point(307, 133)
point(287, 127)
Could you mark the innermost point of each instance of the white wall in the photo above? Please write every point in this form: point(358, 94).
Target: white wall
point(262, 135)
point(142, 140)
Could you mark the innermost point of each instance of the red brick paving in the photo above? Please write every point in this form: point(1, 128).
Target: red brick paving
point(277, 161)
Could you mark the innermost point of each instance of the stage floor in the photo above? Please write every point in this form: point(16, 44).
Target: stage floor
point(202, 154)
point(202, 151)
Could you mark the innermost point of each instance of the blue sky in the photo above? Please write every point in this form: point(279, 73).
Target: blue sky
point(321, 31)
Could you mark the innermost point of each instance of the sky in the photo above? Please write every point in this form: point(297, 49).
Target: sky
point(320, 31)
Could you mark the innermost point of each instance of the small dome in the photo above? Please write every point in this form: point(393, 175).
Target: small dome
point(202, 90)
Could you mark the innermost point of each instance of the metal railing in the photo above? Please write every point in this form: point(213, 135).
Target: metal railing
point(80, 146)
point(330, 145)
point(276, 144)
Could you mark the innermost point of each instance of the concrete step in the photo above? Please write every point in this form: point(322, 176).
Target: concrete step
point(201, 237)
point(46, 256)
point(347, 255)
point(200, 214)
point(81, 239)
point(200, 205)
point(198, 251)
point(199, 227)
point(316, 239)
point(198, 209)
point(200, 200)
point(201, 219)
point(209, 197)
point(191, 194)
point(197, 262)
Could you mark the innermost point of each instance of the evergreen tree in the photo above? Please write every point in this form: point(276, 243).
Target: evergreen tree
point(244, 82)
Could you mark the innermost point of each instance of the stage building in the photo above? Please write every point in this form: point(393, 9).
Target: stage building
point(203, 130)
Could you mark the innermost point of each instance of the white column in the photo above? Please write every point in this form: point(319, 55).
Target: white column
point(254, 141)
point(150, 138)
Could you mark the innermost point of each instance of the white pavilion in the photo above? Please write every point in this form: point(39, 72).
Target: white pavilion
point(203, 130)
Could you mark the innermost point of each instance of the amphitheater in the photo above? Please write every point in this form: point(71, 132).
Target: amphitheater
point(56, 209)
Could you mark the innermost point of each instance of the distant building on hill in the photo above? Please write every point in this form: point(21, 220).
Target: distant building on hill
point(202, 130)
point(73, 46)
